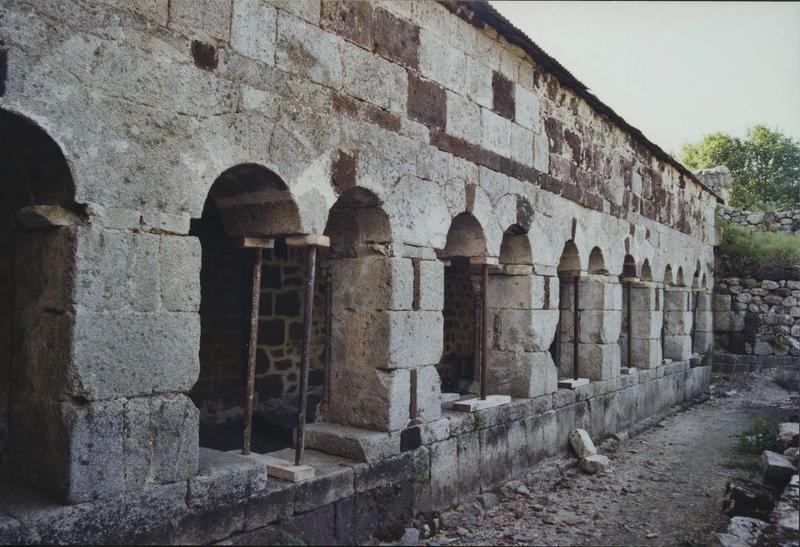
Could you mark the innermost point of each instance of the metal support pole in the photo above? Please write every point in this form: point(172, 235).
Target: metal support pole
point(557, 353)
point(412, 405)
point(576, 326)
point(484, 325)
point(308, 310)
point(629, 326)
point(255, 299)
point(696, 296)
point(663, 322)
point(328, 334)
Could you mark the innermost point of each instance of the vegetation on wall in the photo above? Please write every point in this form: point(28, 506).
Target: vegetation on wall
point(765, 166)
point(744, 251)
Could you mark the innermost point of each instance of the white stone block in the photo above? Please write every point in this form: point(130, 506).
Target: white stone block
point(205, 18)
point(704, 320)
point(676, 300)
point(521, 374)
point(180, 273)
point(478, 81)
point(523, 292)
point(495, 133)
point(541, 152)
point(463, 118)
point(429, 394)
point(373, 79)
point(431, 285)
point(645, 352)
point(596, 361)
point(372, 282)
point(524, 330)
point(602, 327)
point(646, 324)
point(582, 443)
point(521, 144)
point(677, 322)
point(643, 298)
point(253, 30)
point(398, 339)
point(369, 398)
point(527, 109)
point(703, 341)
point(474, 405)
point(308, 51)
point(677, 347)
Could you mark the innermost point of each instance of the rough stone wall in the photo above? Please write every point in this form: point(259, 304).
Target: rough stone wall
point(225, 311)
point(434, 117)
point(459, 314)
point(757, 317)
point(765, 221)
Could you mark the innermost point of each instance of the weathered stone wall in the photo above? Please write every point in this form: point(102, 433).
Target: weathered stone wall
point(429, 115)
point(765, 221)
point(758, 317)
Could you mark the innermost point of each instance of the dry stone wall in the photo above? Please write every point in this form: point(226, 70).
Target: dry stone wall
point(758, 317)
point(766, 221)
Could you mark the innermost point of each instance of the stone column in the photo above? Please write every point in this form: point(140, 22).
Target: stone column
point(677, 324)
point(386, 326)
point(646, 319)
point(600, 316)
point(523, 315)
point(101, 406)
point(703, 323)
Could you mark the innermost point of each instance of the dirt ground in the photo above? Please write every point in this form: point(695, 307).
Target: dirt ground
point(664, 486)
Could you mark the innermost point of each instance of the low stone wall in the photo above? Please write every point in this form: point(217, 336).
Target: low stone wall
point(757, 317)
point(731, 362)
point(767, 221)
point(447, 463)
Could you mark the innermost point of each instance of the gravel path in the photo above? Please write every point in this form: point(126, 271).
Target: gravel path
point(664, 486)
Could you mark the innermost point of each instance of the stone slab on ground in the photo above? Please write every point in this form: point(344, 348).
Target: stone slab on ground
point(745, 498)
point(582, 443)
point(742, 531)
point(594, 464)
point(777, 468)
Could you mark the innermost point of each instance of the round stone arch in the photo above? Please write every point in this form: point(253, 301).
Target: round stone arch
point(597, 263)
point(668, 278)
point(646, 273)
point(40, 222)
point(465, 238)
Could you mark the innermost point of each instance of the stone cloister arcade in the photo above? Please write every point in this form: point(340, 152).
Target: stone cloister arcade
point(393, 322)
point(395, 234)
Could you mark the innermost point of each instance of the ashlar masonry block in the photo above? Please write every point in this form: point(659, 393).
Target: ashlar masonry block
point(521, 374)
point(677, 347)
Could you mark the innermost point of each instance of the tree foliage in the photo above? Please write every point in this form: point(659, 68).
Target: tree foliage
point(765, 166)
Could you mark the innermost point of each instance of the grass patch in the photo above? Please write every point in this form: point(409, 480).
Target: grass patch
point(789, 382)
point(744, 251)
point(761, 436)
point(745, 463)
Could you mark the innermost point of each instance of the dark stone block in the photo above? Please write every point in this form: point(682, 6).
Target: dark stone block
point(296, 331)
point(574, 142)
point(262, 362)
point(350, 19)
point(395, 38)
point(316, 377)
point(744, 498)
point(284, 364)
point(269, 386)
point(271, 332)
point(427, 102)
point(204, 55)
point(524, 214)
point(287, 304)
point(503, 102)
point(553, 128)
point(265, 304)
point(343, 172)
point(410, 439)
point(270, 276)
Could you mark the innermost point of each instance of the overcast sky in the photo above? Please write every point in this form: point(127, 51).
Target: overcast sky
point(677, 70)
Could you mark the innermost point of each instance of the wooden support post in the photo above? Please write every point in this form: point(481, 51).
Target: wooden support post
point(255, 297)
point(328, 334)
point(484, 326)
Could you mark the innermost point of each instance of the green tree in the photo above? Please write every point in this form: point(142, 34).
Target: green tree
point(765, 166)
